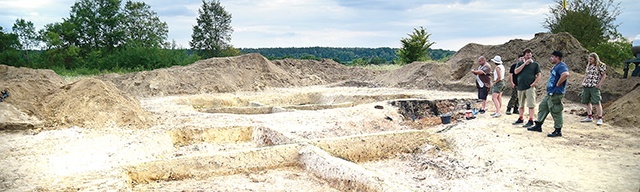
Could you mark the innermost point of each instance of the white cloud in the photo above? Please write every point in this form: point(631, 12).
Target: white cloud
point(342, 23)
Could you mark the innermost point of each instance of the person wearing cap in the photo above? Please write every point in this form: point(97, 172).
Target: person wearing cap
point(528, 72)
point(498, 85)
point(483, 81)
point(595, 74)
point(552, 101)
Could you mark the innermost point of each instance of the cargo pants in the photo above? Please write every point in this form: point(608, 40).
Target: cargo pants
point(513, 101)
point(551, 104)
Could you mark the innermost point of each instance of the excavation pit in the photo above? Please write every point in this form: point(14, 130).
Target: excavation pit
point(323, 162)
point(430, 111)
point(284, 102)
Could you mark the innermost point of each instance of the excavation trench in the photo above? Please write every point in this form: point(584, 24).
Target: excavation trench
point(265, 104)
point(336, 161)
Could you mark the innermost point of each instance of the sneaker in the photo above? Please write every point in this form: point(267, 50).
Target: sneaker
point(587, 119)
point(508, 111)
point(529, 124)
point(519, 121)
point(482, 111)
point(496, 115)
point(599, 122)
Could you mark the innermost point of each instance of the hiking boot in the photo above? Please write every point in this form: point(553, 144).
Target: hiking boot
point(599, 122)
point(587, 119)
point(519, 121)
point(529, 124)
point(537, 127)
point(556, 133)
point(508, 111)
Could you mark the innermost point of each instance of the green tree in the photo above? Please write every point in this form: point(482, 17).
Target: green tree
point(9, 45)
point(27, 35)
point(414, 48)
point(212, 33)
point(377, 61)
point(614, 53)
point(591, 22)
point(97, 24)
point(142, 26)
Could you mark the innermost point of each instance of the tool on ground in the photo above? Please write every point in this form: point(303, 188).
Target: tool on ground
point(4, 94)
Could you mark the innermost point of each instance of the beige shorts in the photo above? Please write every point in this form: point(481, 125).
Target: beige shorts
point(528, 96)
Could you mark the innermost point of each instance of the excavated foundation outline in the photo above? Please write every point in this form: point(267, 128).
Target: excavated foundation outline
point(331, 159)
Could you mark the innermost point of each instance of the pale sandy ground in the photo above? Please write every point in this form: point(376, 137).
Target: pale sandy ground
point(486, 154)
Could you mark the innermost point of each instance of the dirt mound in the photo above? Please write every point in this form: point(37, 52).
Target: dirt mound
point(94, 103)
point(250, 72)
point(40, 98)
point(541, 45)
point(624, 111)
point(27, 88)
point(327, 70)
point(455, 73)
point(421, 75)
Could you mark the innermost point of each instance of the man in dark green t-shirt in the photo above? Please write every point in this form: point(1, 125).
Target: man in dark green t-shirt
point(528, 72)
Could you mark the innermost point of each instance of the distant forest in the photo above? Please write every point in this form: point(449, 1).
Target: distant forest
point(347, 56)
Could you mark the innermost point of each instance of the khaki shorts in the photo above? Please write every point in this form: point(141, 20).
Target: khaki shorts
point(527, 96)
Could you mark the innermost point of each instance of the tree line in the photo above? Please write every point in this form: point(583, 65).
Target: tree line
point(348, 56)
point(114, 36)
point(122, 36)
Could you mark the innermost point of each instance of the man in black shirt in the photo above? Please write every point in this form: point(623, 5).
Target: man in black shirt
point(513, 81)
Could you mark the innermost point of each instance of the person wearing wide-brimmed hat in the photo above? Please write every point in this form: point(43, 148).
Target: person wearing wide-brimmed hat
point(498, 85)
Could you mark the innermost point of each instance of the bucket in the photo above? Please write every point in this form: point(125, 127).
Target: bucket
point(446, 118)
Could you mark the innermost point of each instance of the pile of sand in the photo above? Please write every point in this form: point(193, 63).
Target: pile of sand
point(250, 72)
point(624, 111)
point(455, 74)
point(94, 103)
point(327, 70)
point(41, 98)
point(421, 75)
point(541, 45)
point(23, 109)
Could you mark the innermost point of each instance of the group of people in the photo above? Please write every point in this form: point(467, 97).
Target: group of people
point(523, 77)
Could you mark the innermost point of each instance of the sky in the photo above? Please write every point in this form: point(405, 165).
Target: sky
point(343, 23)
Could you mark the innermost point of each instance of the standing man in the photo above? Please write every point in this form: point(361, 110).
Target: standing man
point(552, 101)
point(593, 78)
point(498, 85)
point(483, 81)
point(513, 81)
point(528, 73)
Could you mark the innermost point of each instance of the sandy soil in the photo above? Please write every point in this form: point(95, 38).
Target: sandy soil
point(485, 154)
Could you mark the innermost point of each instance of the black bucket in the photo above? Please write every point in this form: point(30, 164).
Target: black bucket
point(446, 118)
